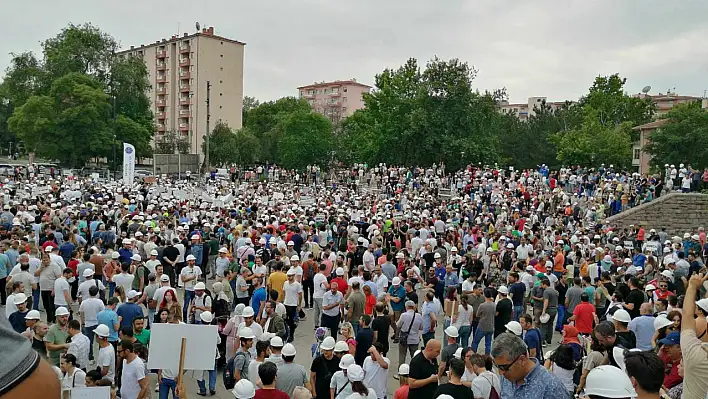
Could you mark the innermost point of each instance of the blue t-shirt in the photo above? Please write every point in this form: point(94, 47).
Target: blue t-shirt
point(533, 340)
point(517, 291)
point(129, 311)
point(259, 296)
point(399, 293)
point(4, 265)
point(109, 318)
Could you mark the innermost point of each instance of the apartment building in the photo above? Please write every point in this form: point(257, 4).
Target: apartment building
point(524, 111)
point(664, 102)
point(179, 69)
point(335, 100)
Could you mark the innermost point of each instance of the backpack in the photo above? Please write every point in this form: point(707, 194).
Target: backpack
point(493, 394)
point(230, 371)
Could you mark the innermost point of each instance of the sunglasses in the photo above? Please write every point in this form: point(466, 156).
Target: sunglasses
point(506, 367)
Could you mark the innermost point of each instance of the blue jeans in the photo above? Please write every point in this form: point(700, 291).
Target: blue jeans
point(166, 386)
point(111, 289)
point(518, 311)
point(464, 339)
point(355, 327)
point(428, 336)
point(188, 296)
point(212, 381)
point(88, 331)
point(561, 317)
point(35, 299)
point(487, 340)
point(151, 317)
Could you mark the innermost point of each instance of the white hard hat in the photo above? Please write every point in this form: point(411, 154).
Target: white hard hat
point(545, 318)
point(510, 246)
point(339, 271)
point(396, 281)
point(294, 258)
point(247, 312)
point(244, 389)
point(223, 250)
point(88, 272)
point(452, 332)
point(503, 290)
point(403, 369)
point(609, 382)
point(328, 344)
point(290, 243)
point(191, 257)
point(244, 332)
point(136, 258)
point(207, 317)
point(102, 330)
point(622, 316)
point(138, 234)
point(662, 321)
point(291, 272)
point(19, 298)
point(355, 373)
point(33, 315)
point(277, 342)
point(289, 350)
point(703, 304)
point(115, 255)
point(346, 361)
point(153, 252)
point(199, 286)
point(132, 294)
point(400, 255)
point(514, 327)
point(61, 311)
point(341, 346)
point(458, 353)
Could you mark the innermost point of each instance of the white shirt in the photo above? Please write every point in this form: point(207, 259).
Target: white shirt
point(83, 290)
point(77, 379)
point(124, 280)
point(467, 286)
point(160, 294)
point(61, 286)
point(202, 301)
point(258, 332)
point(190, 271)
point(375, 376)
point(253, 371)
point(320, 285)
point(107, 358)
point(90, 308)
point(369, 260)
point(340, 382)
point(80, 347)
point(371, 395)
point(482, 384)
point(292, 292)
point(48, 275)
point(381, 285)
point(133, 373)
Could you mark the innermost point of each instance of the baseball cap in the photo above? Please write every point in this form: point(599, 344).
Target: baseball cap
point(132, 294)
point(165, 278)
point(340, 271)
point(396, 281)
point(88, 272)
point(674, 338)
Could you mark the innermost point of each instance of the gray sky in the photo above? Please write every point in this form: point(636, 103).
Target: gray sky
point(551, 48)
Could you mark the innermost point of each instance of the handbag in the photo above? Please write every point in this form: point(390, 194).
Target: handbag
point(403, 337)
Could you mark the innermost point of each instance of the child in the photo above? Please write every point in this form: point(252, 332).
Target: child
point(402, 392)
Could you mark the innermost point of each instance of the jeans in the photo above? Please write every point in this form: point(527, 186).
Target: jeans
point(111, 288)
point(561, 317)
point(428, 336)
point(188, 296)
point(88, 332)
point(317, 304)
point(331, 322)
point(35, 299)
point(151, 317)
point(518, 311)
point(487, 340)
point(291, 315)
point(212, 380)
point(547, 328)
point(355, 327)
point(464, 339)
point(166, 386)
point(308, 290)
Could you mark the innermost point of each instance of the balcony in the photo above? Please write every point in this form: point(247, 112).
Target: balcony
point(161, 115)
point(185, 113)
point(160, 65)
point(184, 62)
point(184, 88)
point(161, 79)
point(161, 90)
point(184, 75)
point(336, 94)
point(183, 127)
point(184, 101)
point(184, 49)
point(161, 128)
point(160, 102)
point(161, 53)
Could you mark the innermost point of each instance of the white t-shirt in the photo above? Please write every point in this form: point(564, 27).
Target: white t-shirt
point(191, 271)
point(124, 280)
point(83, 290)
point(381, 285)
point(292, 292)
point(371, 395)
point(107, 358)
point(376, 376)
point(253, 371)
point(160, 294)
point(342, 386)
point(133, 372)
point(262, 270)
point(205, 301)
point(90, 308)
point(61, 286)
point(10, 307)
point(482, 385)
point(320, 283)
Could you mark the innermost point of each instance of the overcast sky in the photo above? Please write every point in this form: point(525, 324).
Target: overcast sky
point(551, 48)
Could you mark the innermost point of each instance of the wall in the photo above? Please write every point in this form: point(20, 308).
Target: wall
point(678, 213)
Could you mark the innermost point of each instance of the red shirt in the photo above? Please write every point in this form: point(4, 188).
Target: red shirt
point(73, 264)
point(270, 394)
point(402, 392)
point(583, 317)
point(341, 284)
point(672, 378)
point(663, 295)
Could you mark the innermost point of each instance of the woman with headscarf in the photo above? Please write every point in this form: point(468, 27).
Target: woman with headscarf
point(570, 338)
point(221, 305)
point(231, 330)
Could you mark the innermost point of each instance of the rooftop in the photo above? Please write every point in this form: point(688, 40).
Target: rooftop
point(206, 32)
point(351, 82)
point(652, 125)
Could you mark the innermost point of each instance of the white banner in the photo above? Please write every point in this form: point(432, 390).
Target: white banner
point(128, 163)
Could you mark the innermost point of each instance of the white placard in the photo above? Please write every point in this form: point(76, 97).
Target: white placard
point(306, 201)
point(278, 196)
point(166, 341)
point(629, 244)
point(91, 393)
point(319, 218)
point(128, 163)
point(180, 194)
point(651, 246)
point(41, 190)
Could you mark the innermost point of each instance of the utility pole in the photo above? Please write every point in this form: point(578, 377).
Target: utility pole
point(208, 132)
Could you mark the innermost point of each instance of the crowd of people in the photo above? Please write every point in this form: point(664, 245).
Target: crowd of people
point(470, 275)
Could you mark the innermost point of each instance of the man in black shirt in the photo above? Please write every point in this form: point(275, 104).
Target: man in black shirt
point(423, 377)
point(169, 262)
point(410, 293)
point(364, 339)
point(504, 310)
point(324, 366)
point(455, 388)
point(635, 298)
point(380, 326)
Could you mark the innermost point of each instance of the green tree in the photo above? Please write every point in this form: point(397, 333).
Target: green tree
point(684, 139)
point(612, 106)
point(228, 147)
point(249, 103)
point(264, 122)
point(71, 124)
point(307, 140)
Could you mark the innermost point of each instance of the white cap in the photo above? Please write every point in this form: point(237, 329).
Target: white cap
point(622, 316)
point(667, 273)
point(246, 333)
point(355, 373)
point(328, 344)
point(510, 246)
point(153, 252)
point(19, 298)
point(294, 258)
point(48, 249)
point(244, 389)
point(223, 250)
point(289, 350)
point(199, 286)
point(291, 272)
point(165, 278)
point(346, 361)
point(437, 256)
point(247, 312)
point(115, 255)
point(136, 258)
point(88, 272)
point(703, 304)
point(61, 311)
point(339, 271)
point(452, 332)
point(650, 287)
point(102, 330)
point(191, 257)
point(514, 327)
point(341, 346)
point(627, 261)
point(132, 294)
point(33, 315)
point(503, 290)
point(403, 369)
point(206, 317)
point(396, 281)
point(453, 249)
point(138, 234)
point(276, 342)
point(290, 243)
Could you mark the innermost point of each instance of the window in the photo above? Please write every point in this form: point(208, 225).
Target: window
point(637, 153)
point(222, 43)
point(345, 89)
point(222, 68)
point(222, 56)
point(221, 81)
point(220, 107)
point(221, 94)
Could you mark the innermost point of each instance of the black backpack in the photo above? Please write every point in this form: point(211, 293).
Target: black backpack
point(230, 371)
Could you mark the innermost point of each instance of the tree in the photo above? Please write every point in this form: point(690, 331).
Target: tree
point(684, 139)
point(228, 147)
point(265, 123)
point(71, 124)
point(249, 103)
point(307, 140)
point(612, 106)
